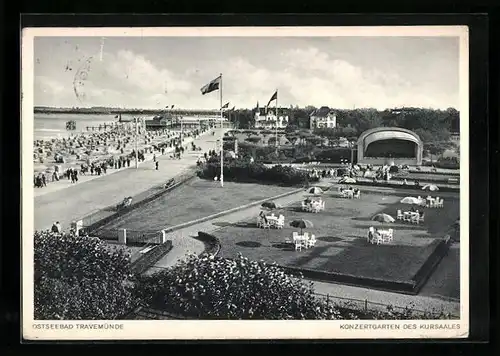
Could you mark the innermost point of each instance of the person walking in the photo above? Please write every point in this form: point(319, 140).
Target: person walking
point(54, 228)
point(156, 164)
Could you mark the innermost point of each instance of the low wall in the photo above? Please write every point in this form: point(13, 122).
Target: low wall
point(211, 242)
point(397, 185)
point(151, 257)
point(426, 270)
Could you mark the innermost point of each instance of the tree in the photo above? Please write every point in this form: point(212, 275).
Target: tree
point(218, 288)
point(291, 128)
point(79, 278)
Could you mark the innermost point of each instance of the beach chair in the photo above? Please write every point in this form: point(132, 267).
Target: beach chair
point(400, 215)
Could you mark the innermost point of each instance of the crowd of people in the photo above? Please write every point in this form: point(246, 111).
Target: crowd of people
point(97, 151)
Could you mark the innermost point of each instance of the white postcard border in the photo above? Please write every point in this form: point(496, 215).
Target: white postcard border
point(202, 329)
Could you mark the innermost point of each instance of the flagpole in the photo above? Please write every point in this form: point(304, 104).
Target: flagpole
point(136, 152)
point(277, 120)
point(221, 137)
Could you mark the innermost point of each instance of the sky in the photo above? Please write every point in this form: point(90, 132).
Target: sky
point(339, 72)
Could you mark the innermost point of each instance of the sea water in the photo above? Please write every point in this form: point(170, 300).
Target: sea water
point(47, 126)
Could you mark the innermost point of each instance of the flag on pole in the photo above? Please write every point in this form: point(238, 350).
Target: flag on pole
point(274, 97)
point(172, 107)
point(212, 86)
point(234, 107)
point(225, 106)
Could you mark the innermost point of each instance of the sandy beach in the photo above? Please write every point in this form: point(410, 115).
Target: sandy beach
point(112, 146)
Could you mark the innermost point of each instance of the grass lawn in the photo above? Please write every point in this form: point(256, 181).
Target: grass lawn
point(341, 232)
point(195, 199)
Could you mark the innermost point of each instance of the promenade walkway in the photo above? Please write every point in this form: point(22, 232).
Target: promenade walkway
point(67, 201)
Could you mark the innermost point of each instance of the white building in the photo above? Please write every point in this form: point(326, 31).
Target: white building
point(323, 117)
point(268, 120)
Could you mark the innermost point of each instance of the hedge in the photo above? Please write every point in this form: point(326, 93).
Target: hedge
point(242, 171)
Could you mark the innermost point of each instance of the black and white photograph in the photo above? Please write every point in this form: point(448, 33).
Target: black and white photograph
point(197, 179)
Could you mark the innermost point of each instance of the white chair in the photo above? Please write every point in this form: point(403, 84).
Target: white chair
point(390, 235)
point(306, 236)
point(406, 216)
point(304, 206)
point(400, 215)
point(281, 222)
point(440, 203)
point(358, 195)
point(298, 245)
point(265, 224)
point(378, 239)
point(421, 218)
point(414, 218)
point(295, 236)
point(311, 242)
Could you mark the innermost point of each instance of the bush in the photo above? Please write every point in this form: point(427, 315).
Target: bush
point(254, 139)
point(209, 287)
point(79, 278)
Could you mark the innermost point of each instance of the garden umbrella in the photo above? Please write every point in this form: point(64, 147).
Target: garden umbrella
point(347, 180)
point(431, 187)
point(383, 218)
point(410, 200)
point(315, 190)
point(301, 224)
point(270, 205)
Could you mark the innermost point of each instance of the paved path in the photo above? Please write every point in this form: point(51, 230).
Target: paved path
point(93, 193)
point(419, 302)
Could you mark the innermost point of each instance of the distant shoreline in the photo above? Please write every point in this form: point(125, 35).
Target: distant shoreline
point(104, 111)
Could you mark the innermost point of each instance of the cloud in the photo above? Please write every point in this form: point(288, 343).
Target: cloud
point(304, 76)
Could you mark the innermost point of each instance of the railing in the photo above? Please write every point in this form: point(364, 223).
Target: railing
point(367, 306)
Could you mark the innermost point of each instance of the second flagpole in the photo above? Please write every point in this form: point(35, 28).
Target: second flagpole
point(221, 137)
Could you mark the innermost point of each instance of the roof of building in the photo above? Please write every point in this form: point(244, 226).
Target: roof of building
point(387, 133)
point(323, 111)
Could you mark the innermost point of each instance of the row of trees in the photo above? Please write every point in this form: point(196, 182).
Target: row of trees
point(363, 119)
point(82, 278)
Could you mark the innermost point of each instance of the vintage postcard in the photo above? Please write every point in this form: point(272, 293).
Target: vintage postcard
point(245, 183)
